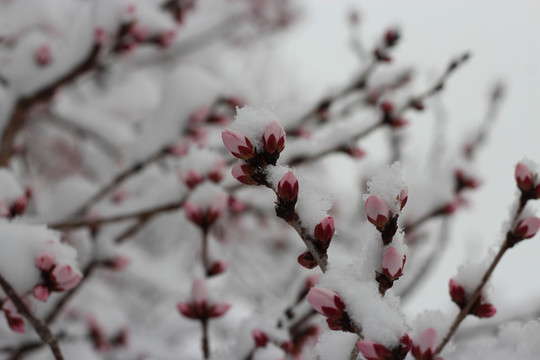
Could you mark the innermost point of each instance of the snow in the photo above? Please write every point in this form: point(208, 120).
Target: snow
point(252, 121)
point(387, 185)
point(10, 189)
point(336, 345)
point(20, 244)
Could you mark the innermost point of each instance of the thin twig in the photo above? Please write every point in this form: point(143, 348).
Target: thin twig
point(42, 329)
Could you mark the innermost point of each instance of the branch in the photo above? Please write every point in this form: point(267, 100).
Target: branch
point(42, 330)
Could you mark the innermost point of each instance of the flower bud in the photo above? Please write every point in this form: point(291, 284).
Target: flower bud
point(259, 337)
point(324, 231)
point(139, 32)
point(218, 267)
point(100, 36)
point(186, 309)
point(193, 213)
point(19, 205)
point(378, 211)
point(425, 347)
point(387, 107)
point(238, 144)
point(527, 228)
point(191, 178)
point(244, 173)
point(392, 263)
point(484, 310)
point(217, 171)
point(274, 138)
point(45, 262)
point(307, 260)
point(404, 196)
point(326, 302)
point(216, 208)
point(524, 177)
point(43, 55)
point(399, 122)
point(199, 296)
point(166, 38)
point(41, 292)
point(288, 186)
point(372, 350)
point(391, 37)
point(457, 293)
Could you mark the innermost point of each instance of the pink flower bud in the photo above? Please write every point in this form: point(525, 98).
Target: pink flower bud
point(43, 55)
point(238, 144)
point(307, 260)
point(373, 350)
point(259, 337)
point(404, 196)
point(484, 310)
point(457, 293)
point(326, 302)
point(451, 207)
point(216, 208)
point(312, 280)
point(193, 213)
point(191, 178)
point(139, 32)
point(186, 309)
point(355, 151)
point(244, 173)
point(392, 263)
point(527, 228)
point(218, 267)
point(217, 171)
point(41, 292)
point(62, 273)
point(524, 177)
point(288, 186)
point(199, 296)
point(378, 211)
point(100, 36)
point(218, 310)
point(387, 107)
point(426, 345)
point(324, 231)
point(274, 138)
point(16, 323)
point(45, 262)
point(166, 38)
point(19, 205)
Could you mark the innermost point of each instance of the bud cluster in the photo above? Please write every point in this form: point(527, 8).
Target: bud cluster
point(390, 39)
point(54, 277)
point(101, 341)
point(391, 116)
point(16, 208)
point(205, 205)
point(329, 303)
point(480, 308)
point(14, 318)
point(201, 307)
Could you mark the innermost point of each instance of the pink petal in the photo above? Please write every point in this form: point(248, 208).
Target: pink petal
point(404, 196)
point(238, 144)
point(45, 262)
point(528, 227)
point(524, 177)
point(186, 309)
point(428, 340)
point(41, 292)
point(325, 301)
point(199, 295)
point(193, 213)
point(62, 273)
point(260, 338)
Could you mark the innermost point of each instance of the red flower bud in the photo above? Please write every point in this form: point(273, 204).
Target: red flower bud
point(425, 347)
point(326, 302)
point(324, 231)
point(457, 293)
point(244, 173)
point(238, 144)
point(527, 228)
point(373, 350)
point(524, 177)
point(288, 186)
point(307, 260)
point(274, 138)
point(484, 310)
point(43, 55)
point(378, 211)
point(259, 337)
point(392, 263)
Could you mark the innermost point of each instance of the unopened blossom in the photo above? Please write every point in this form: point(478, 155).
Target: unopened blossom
point(527, 228)
point(378, 211)
point(244, 173)
point(238, 144)
point(326, 302)
point(403, 196)
point(392, 263)
point(372, 350)
point(259, 337)
point(524, 177)
point(43, 55)
point(425, 347)
point(457, 293)
point(200, 306)
point(288, 186)
point(166, 38)
point(274, 138)
point(324, 231)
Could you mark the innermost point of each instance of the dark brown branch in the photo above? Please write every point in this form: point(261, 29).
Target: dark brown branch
point(42, 329)
point(21, 108)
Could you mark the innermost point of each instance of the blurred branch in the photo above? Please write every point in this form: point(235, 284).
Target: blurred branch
point(42, 329)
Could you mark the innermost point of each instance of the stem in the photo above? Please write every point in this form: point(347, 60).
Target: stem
point(42, 329)
point(205, 344)
point(478, 291)
point(204, 250)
